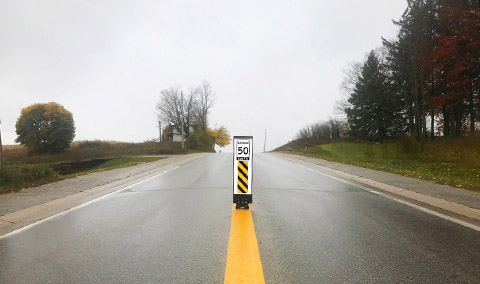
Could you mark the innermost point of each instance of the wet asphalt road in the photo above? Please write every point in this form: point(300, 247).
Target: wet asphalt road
point(310, 229)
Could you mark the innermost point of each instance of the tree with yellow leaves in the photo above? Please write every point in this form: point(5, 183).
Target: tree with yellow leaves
point(206, 140)
point(221, 136)
point(45, 128)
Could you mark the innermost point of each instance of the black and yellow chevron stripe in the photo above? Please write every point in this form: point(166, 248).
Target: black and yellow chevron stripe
point(242, 177)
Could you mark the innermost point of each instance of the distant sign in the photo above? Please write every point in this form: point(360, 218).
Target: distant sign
point(242, 170)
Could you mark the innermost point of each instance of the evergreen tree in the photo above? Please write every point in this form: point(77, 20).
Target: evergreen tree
point(374, 111)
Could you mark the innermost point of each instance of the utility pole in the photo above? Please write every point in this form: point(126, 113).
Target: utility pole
point(183, 136)
point(265, 141)
point(160, 128)
point(1, 149)
point(214, 139)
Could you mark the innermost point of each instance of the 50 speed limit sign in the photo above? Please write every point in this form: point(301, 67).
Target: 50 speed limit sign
point(242, 170)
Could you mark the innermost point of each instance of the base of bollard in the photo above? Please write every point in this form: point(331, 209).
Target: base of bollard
point(242, 200)
point(242, 206)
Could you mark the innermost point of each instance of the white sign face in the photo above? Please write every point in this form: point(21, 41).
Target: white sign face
point(242, 164)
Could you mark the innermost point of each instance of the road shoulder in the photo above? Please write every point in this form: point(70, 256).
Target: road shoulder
point(458, 203)
point(31, 205)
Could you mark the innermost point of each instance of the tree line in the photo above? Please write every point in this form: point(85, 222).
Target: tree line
point(423, 83)
point(430, 71)
point(323, 130)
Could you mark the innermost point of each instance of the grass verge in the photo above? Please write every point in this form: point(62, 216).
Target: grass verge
point(444, 161)
point(19, 175)
point(24, 168)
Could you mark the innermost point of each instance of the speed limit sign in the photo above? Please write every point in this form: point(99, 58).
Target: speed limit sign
point(242, 170)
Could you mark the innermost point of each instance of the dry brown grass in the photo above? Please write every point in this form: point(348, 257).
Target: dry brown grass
point(83, 150)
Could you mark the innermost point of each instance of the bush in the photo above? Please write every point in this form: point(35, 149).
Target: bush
point(369, 153)
point(21, 175)
point(93, 144)
point(200, 140)
point(409, 145)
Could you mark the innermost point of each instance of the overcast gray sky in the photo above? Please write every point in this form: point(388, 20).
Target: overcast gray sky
point(275, 65)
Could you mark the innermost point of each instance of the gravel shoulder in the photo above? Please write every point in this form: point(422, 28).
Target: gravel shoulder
point(448, 193)
point(116, 178)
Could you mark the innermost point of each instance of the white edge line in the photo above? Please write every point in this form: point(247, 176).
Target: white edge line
point(423, 209)
point(17, 231)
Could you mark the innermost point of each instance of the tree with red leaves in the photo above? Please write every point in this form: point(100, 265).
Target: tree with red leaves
point(456, 60)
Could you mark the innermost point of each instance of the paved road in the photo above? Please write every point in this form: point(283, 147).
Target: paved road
point(310, 229)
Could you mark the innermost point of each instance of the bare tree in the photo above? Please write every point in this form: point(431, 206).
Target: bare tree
point(190, 106)
point(206, 100)
point(170, 108)
point(330, 130)
point(350, 79)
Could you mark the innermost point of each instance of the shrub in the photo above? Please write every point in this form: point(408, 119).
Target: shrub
point(93, 144)
point(369, 152)
point(409, 144)
point(200, 140)
point(20, 175)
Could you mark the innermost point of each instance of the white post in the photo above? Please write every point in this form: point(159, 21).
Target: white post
point(183, 136)
point(265, 141)
point(160, 128)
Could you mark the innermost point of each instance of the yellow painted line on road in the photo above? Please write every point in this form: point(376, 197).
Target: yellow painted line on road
point(243, 258)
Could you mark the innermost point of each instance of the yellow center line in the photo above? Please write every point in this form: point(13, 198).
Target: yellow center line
point(243, 257)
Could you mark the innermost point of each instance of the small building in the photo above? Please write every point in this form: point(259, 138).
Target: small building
point(175, 135)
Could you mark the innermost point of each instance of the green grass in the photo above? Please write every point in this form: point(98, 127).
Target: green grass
point(445, 161)
point(19, 175)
